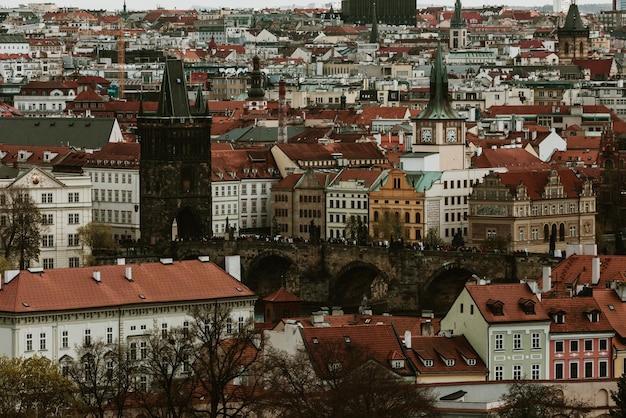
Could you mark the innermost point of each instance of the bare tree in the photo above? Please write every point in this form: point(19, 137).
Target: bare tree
point(336, 381)
point(103, 374)
point(225, 360)
point(20, 226)
point(167, 367)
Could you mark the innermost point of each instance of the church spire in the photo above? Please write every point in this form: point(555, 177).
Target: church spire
point(256, 91)
point(457, 19)
point(439, 105)
point(374, 32)
point(173, 101)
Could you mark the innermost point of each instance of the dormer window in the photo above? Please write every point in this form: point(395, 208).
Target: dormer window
point(592, 314)
point(559, 318)
point(428, 363)
point(496, 307)
point(397, 364)
point(471, 361)
point(450, 362)
point(527, 305)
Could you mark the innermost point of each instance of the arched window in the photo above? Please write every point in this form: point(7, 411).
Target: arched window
point(553, 231)
point(417, 218)
point(376, 216)
point(581, 49)
point(562, 232)
point(566, 48)
point(546, 232)
point(407, 218)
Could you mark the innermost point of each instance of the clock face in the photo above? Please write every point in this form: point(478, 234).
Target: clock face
point(451, 135)
point(427, 135)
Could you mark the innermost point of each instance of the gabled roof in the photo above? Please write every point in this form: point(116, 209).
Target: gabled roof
point(509, 295)
point(152, 283)
point(576, 315)
point(511, 158)
point(376, 342)
point(173, 100)
point(438, 349)
point(368, 177)
point(91, 133)
point(536, 180)
point(282, 295)
point(577, 269)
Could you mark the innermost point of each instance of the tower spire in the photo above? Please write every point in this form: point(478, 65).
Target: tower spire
point(439, 105)
point(374, 32)
point(457, 19)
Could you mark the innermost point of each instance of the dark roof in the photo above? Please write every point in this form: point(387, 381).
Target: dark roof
point(92, 133)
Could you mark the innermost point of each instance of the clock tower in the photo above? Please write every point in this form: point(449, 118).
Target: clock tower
point(439, 128)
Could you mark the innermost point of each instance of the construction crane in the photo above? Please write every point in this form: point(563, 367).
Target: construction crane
point(121, 56)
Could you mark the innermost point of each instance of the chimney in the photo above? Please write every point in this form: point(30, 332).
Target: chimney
point(10, 275)
point(129, 273)
point(427, 329)
point(595, 270)
point(121, 261)
point(590, 249)
point(96, 276)
point(547, 279)
point(232, 264)
point(407, 339)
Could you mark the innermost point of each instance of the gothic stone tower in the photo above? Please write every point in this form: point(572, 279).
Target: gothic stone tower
point(573, 37)
point(175, 169)
point(439, 128)
point(458, 28)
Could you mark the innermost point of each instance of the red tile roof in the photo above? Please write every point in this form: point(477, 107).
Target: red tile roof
point(75, 288)
point(440, 348)
point(376, 342)
point(367, 176)
point(509, 295)
point(282, 295)
point(612, 308)
point(576, 270)
point(575, 310)
point(536, 180)
point(511, 158)
point(583, 142)
point(596, 66)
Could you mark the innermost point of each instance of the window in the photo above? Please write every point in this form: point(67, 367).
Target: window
point(573, 345)
point(499, 342)
point(229, 326)
point(73, 240)
point(29, 342)
point(42, 341)
point(48, 263)
point(47, 240)
point(74, 262)
point(46, 198)
point(163, 330)
point(535, 371)
point(87, 337)
point(559, 346)
point(536, 342)
point(47, 219)
point(517, 341)
point(133, 351)
point(588, 369)
point(517, 372)
point(588, 345)
point(109, 335)
point(73, 218)
point(65, 341)
point(240, 323)
point(573, 370)
point(143, 350)
point(499, 373)
point(603, 345)
point(558, 371)
point(603, 368)
point(73, 197)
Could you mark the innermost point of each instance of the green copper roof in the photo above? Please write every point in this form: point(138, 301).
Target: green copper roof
point(457, 19)
point(439, 105)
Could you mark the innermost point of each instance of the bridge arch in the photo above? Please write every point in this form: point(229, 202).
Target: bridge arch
point(443, 286)
point(356, 280)
point(270, 270)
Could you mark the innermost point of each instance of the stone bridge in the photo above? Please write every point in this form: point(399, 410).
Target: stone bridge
point(399, 280)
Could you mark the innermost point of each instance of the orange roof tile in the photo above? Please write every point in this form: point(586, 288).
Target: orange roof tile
point(75, 288)
point(509, 295)
point(576, 319)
